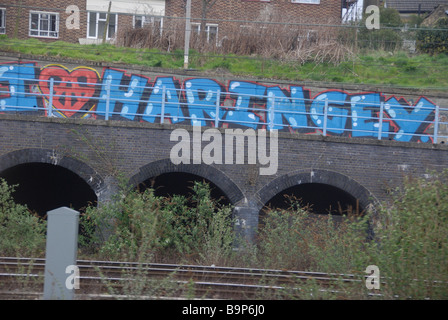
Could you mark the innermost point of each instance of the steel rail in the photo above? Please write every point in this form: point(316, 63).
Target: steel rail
point(207, 281)
point(117, 266)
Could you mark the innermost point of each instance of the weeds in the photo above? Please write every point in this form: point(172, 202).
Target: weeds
point(316, 58)
point(413, 251)
point(22, 233)
point(408, 245)
point(139, 226)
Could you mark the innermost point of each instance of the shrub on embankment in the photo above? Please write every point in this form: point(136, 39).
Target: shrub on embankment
point(406, 238)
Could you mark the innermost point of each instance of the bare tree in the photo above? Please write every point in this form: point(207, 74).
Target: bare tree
point(206, 6)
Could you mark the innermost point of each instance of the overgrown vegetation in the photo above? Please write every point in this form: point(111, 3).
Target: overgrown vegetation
point(413, 247)
point(139, 226)
point(434, 40)
point(22, 233)
point(406, 239)
point(389, 37)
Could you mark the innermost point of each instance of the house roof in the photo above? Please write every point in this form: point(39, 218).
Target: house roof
point(440, 12)
point(411, 6)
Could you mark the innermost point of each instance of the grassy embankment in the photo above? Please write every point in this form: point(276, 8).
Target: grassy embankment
point(375, 67)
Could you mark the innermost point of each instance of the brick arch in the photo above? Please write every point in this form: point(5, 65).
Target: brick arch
point(335, 179)
point(36, 155)
point(220, 179)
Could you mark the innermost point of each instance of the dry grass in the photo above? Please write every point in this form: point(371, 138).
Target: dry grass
point(271, 39)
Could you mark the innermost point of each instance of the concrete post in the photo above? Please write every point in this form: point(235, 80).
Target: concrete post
point(61, 254)
point(246, 223)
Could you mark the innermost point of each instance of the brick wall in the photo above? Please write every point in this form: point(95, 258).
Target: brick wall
point(235, 16)
point(328, 11)
point(20, 16)
point(363, 168)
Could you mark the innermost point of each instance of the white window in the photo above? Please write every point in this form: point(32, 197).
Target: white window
point(195, 27)
point(2, 20)
point(306, 1)
point(44, 24)
point(212, 32)
point(210, 29)
point(96, 25)
point(141, 21)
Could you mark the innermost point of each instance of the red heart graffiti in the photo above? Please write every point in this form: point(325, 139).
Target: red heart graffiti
point(72, 89)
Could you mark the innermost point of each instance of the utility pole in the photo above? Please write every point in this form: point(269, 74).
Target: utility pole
point(187, 33)
point(107, 23)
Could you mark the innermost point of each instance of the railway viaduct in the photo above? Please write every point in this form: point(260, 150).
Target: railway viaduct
point(53, 150)
point(63, 160)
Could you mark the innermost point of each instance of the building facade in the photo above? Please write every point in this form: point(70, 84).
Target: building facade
point(83, 21)
point(219, 18)
point(406, 8)
point(86, 21)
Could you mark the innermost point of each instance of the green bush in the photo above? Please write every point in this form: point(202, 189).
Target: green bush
point(409, 243)
point(298, 240)
point(434, 40)
point(140, 226)
point(387, 37)
point(21, 232)
point(412, 233)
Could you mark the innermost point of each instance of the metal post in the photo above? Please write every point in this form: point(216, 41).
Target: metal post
point(436, 124)
point(107, 23)
point(218, 101)
point(107, 100)
point(324, 131)
point(187, 33)
point(50, 99)
point(380, 121)
point(162, 111)
point(61, 254)
point(272, 114)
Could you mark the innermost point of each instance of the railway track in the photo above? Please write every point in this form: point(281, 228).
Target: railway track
point(22, 278)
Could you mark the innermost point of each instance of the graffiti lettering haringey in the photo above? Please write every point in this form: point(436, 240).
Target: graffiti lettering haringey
point(82, 92)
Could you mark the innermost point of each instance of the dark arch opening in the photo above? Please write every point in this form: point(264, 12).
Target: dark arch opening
point(44, 187)
point(318, 198)
point(181, 183)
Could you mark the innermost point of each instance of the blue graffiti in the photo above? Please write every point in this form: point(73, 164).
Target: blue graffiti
point(249, 100)
point(18, 81)
point(336, 113)
point(202, 96)
point(173, 111)
point(410, 120)
point(124, 97)
point(365, 116)
point(246, 104)
point(286, 109)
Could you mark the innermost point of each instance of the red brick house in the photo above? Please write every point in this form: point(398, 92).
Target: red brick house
point(81, 21)
point(85, 21)
point(43, 19)
point(237, 15)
